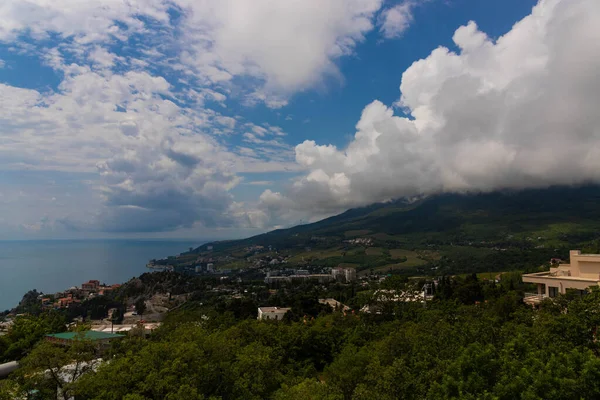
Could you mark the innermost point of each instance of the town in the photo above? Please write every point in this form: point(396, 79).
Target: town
point(105, 315)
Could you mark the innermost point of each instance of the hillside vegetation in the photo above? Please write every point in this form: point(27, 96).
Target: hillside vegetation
point(454, 232)
point(474, 340)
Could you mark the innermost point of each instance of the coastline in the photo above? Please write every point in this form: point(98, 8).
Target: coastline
point(50, 266)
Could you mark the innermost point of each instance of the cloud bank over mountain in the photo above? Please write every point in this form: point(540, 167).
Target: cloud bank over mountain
point(513, 112)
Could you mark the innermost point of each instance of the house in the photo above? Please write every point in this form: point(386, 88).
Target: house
point(104, 289)
point(66, 302)
point(90, 286)
point(4, 326)
point(582, 272)
point(275, 313)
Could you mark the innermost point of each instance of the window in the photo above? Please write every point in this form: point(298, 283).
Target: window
point(576, 293)
point(552, 291)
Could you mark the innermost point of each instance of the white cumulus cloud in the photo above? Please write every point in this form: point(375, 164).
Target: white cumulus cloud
point(288, 46)
point(519, 111)
point(395, 20)
point(281, 47)
point(143, 90)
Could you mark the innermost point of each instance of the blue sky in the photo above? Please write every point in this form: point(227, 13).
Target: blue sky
point(217, 119)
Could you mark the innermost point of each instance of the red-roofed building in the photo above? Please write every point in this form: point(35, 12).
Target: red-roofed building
point(90, 286)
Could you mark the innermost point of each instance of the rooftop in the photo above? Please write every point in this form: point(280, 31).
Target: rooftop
point(273, 309)
point(554, 275)
point(85, 335)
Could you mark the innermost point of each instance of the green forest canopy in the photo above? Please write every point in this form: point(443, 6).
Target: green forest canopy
point(476, 340)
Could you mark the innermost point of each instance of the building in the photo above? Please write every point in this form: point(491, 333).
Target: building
point(582, 272)
point(90, 286)
point(146, 327)
point(5, 326)
point(334, 304)
point(321, 278)
point(382, 297)
point(7, 368)
point(66, 302)
point(343, 274)
point(275, 313)
point(338, 273)
point(350, 274)
point(104, 289)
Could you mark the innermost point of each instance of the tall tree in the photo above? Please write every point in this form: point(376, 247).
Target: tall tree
point(140, 306)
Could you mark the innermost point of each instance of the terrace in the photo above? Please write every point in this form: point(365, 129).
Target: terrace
point(582, 272)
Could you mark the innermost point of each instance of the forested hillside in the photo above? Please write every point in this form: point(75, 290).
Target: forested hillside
point(561, 215)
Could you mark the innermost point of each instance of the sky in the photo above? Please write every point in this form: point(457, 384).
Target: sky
point(212, 119)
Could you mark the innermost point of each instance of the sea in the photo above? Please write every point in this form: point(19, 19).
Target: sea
point(50, 266)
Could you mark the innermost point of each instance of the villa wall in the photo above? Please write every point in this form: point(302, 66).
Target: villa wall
point(564, 285)
point(590, 270)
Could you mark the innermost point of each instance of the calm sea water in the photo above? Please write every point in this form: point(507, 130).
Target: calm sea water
point(53, 265)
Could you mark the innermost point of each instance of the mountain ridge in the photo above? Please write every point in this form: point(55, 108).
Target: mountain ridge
point(511, 212)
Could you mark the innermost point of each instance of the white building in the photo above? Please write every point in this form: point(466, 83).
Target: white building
point(344, 274)
point(582, 273)
point(350, 274)
point(334, 304)
point(275, 313)
point(337, 273)
point(382, 296)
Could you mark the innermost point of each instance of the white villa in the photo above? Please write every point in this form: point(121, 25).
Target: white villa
point(582, 272)
point(275, 313)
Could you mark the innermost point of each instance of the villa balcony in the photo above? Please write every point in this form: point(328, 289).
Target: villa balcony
point(533, 298)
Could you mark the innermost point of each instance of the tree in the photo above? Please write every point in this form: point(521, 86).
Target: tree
point(309, 389)
point(212, 348)
point(117, 315)
point(140, 306)
point(30, 303)
point(53, 369)
point(26, 331)
point(10, 390)
point(347, 371)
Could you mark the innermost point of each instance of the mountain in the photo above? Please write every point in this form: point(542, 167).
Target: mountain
point(560, 214)
point(542, 221)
